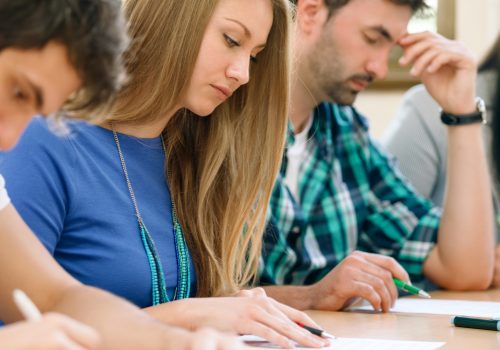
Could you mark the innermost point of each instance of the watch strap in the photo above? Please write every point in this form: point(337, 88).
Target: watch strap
point(451, 119)
point(475, 117)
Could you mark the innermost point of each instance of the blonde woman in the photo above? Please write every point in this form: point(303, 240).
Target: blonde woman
point(167, 199)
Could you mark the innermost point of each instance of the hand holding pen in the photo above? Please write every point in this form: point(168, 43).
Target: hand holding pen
point(359, 275)
point(50, 331)
point(411, 289)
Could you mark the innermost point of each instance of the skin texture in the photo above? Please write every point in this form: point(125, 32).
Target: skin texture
point(54, 331)
point(337, 57)
point(235, 35)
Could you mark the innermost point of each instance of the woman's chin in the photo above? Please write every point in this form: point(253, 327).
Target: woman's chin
point(204, 111)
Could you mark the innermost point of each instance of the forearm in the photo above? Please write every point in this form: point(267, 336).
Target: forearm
point(26, 264)
point(298, 297)
point(176, 313)
point(120, 324)
point(465, 238)
point(193, 313)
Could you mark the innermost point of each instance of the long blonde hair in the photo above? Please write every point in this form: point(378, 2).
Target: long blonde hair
point(221, 168)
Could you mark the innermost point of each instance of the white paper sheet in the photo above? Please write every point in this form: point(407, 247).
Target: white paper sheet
point(357, 344)
point(443, 307)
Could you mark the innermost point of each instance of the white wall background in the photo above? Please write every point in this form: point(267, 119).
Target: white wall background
point(477, 25)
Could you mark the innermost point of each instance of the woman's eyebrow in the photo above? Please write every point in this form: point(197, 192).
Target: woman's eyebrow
point(245, 28)
point(248, 34)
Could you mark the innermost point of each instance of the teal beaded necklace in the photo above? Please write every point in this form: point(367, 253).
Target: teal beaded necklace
point(159, 289)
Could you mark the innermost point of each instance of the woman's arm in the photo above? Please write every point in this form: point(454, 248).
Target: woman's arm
point(26, 264)
point(249, 312)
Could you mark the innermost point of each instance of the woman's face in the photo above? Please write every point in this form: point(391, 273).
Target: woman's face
point(235, 35)
point(32, 82)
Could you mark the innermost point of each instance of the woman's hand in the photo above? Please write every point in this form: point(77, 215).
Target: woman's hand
point(53, 331)
point(248, 312)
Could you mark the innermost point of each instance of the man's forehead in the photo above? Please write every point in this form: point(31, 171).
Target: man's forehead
point(383, 16)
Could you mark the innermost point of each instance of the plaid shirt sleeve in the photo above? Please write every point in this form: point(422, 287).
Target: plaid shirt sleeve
point(351, 197)
point(279, 256)
point(400, 223)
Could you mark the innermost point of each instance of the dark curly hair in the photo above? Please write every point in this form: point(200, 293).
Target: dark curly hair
point(93, 31)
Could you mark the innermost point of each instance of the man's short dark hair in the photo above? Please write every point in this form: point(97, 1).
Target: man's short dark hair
point(93, 31)
point(415, 5)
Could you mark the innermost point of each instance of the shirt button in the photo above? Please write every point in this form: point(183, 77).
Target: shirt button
point(296, 230)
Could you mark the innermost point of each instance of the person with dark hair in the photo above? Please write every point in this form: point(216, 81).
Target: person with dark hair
point(343, 221)
point(50, 50)
point(418, 139)
point(91, 34)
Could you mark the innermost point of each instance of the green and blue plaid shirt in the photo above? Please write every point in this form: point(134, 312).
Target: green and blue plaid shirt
point(351, 198)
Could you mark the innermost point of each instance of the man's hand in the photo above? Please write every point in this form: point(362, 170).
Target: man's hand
point(446, 67)
point(364, 275)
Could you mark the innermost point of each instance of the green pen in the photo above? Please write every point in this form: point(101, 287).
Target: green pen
point(411, 289)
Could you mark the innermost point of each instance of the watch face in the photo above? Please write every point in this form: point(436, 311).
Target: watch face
point(480, 105)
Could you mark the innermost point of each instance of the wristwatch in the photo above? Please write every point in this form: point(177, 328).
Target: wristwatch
point(479, 116)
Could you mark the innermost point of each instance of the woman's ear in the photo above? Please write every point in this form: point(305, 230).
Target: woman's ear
point(311, 14)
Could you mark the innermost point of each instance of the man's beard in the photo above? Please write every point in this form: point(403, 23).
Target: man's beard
point(327, 70)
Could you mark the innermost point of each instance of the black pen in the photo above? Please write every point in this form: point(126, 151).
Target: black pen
point(316, 331)
point(477, 323)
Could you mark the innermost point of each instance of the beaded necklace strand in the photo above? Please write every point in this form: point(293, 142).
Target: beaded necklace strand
point(159, 289)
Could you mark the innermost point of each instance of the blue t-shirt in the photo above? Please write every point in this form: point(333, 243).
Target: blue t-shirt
point(72, 192)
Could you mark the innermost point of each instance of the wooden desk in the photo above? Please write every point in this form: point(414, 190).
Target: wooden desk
point(413, 326)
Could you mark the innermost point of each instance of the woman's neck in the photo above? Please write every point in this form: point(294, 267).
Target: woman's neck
point(149, 129)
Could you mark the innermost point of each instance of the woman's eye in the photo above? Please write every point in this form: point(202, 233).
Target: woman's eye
point(253, 59)
point(230, 41)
